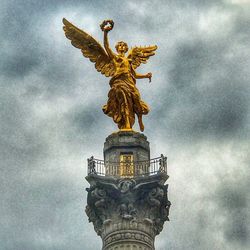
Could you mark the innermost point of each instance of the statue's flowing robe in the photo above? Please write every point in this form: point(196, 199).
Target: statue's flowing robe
point(124, 100)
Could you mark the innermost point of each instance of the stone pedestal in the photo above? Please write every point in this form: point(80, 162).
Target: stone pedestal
point(123, 149)
point(128, 211)
point(126, 142)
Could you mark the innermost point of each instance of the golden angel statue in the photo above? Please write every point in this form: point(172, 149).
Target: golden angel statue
point(124, 99)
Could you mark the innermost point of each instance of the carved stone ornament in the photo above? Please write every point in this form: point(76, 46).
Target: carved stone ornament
point(134, 209)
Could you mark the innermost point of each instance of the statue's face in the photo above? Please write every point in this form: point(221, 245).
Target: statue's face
point(121, 47)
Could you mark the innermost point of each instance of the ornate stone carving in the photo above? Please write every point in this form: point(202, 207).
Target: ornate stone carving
point(139, 205)
point(128, 236)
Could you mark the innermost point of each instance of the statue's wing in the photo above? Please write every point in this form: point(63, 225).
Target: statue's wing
point(90, 48)
point(140, 55)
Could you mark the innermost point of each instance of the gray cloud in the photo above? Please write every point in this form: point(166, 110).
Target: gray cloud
point(233, 199)
point(211, 91)
point(51, 119)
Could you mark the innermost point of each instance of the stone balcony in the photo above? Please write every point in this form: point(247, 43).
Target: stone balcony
point(127, 169)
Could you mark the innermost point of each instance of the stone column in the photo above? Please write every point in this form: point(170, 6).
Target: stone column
point(127, 213)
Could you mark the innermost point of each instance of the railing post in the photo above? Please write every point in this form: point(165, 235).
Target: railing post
point(91, 165)
point(163, 164)
point(166, 164)
point(88, 166)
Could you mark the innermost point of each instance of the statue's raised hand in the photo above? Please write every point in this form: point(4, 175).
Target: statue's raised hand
point(149, 76)
point(107, 25)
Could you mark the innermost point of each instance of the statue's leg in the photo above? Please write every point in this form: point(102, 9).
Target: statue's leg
point(139, 107)
point(127, 120)
point(123, 104)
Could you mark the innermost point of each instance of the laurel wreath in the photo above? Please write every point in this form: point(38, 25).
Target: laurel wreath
point(107, 25)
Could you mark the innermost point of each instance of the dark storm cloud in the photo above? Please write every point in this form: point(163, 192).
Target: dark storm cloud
point(232, 198)
point(214, 106)
point(51, 119)
point(83, 119)
point(36, 208)
point(23, 49)
point(36, 196)
point(195, 3)
point(20, 143)
point(242, 26)
point(84, 122)
point(26, 44)
point(214, 214)
point(19, 66)
point(19, 45)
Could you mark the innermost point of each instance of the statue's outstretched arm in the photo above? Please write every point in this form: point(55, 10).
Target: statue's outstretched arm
point(106, 45)
point(106, 26)
point(141, 76)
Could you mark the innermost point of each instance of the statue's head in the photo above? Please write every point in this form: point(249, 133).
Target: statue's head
point(121, 47)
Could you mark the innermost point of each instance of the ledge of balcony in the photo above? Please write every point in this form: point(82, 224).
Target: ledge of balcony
point(142, 170)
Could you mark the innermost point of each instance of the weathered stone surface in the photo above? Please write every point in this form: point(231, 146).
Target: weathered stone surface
point(128, 209)
point(126, 142)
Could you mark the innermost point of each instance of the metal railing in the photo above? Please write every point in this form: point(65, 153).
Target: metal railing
point(125, 169)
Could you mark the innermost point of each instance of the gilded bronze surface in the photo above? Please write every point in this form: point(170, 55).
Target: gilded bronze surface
point(124, 99)
point(126, 165)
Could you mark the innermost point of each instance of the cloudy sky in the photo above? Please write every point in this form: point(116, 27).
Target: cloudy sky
point(51, 119)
